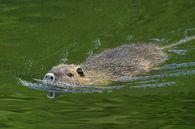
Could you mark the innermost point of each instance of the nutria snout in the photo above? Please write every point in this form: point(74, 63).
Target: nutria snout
point(49, 77)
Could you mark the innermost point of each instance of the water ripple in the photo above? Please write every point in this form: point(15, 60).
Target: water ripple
point(175, 65)
point(137, 82)
point(180, 52)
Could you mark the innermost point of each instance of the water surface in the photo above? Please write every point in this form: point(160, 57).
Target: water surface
point(36, 35)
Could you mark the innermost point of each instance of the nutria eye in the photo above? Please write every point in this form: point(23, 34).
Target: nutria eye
point(69, 74)
point(80, 72)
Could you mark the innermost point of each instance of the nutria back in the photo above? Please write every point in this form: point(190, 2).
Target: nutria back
point(126, 60)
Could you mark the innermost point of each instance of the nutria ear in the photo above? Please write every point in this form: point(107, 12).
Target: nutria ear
point(80, 72)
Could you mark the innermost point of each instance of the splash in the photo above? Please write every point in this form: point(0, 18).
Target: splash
point(97, 43)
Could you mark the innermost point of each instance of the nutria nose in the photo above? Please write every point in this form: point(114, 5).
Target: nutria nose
point(49, 77)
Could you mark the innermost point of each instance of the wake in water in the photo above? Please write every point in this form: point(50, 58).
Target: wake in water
point(173, 70)
point(53, 88)
point(138, 82)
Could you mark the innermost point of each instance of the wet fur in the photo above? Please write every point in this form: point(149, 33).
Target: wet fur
point(126, 60)
point(112, 64)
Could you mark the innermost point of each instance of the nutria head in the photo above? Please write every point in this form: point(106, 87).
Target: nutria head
point(67, 74)
point(74, 75)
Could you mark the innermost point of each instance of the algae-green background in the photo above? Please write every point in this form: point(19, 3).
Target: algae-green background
point(38, 34)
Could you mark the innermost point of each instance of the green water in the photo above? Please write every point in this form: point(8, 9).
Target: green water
point(36, 35)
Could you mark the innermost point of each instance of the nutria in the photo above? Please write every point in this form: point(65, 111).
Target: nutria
point(116, 64)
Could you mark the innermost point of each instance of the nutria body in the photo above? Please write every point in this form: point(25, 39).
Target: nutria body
point(126, 60)
point(111, 65)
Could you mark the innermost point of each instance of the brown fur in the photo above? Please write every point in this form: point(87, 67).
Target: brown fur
point(90, 78)
point(111, 65)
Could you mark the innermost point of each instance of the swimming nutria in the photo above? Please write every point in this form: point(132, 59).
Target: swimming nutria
point(111, 65)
